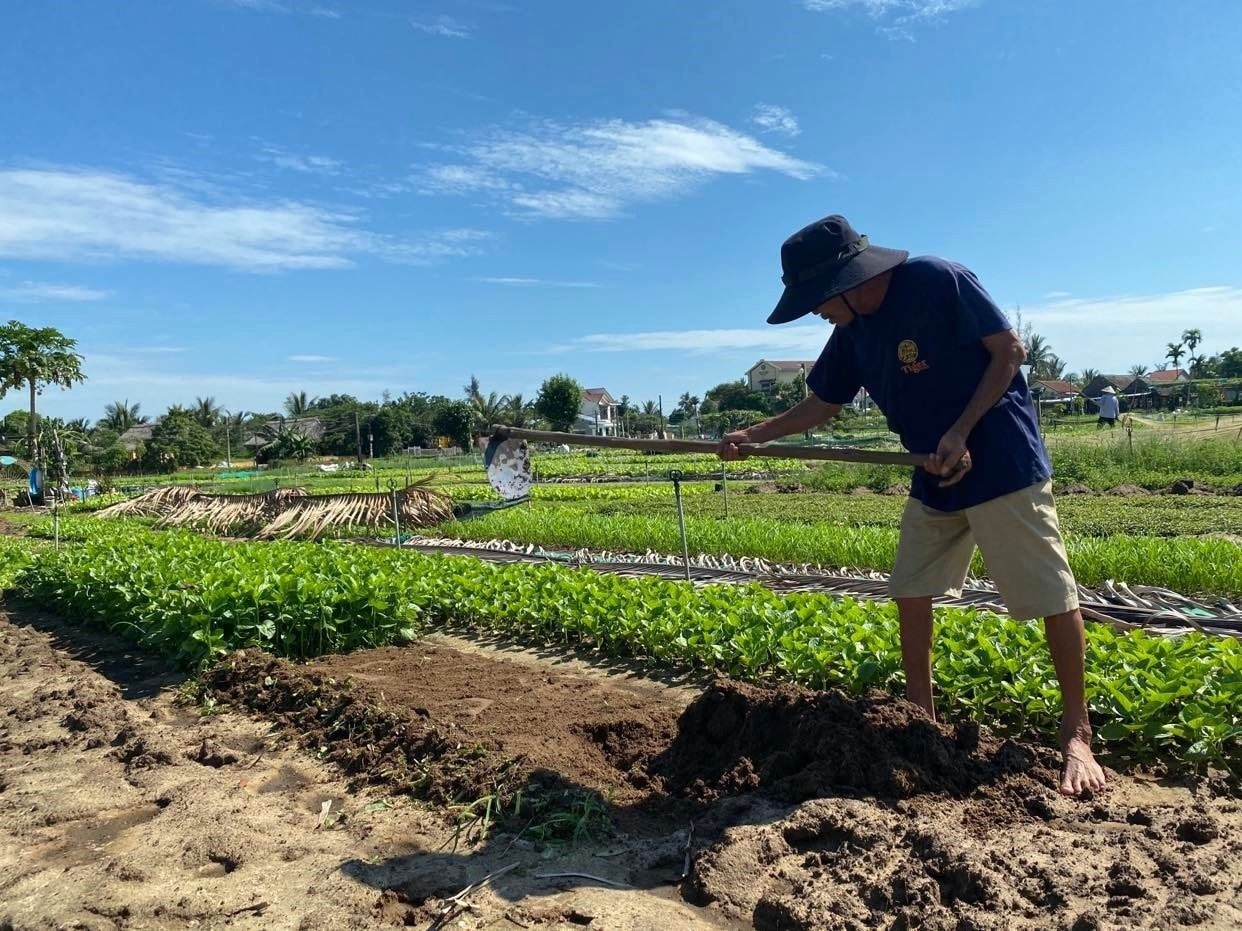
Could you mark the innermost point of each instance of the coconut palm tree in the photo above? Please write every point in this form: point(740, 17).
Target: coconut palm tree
point(298, 404)
point(1174, 353)
point(688, 404)
point(206, 411)
point(1192, 338)
point(1138, 371)
point(32, 358)
point(121, 415)
point(1089, 375)
point(518, 412)
point(1037, 352)
point(1196, 364)
point(650, 409)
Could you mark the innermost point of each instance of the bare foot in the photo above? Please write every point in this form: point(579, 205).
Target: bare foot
point(1080, 774)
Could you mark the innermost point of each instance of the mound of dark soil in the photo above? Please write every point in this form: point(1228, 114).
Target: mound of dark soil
point(1075, 488)
point(1127, 491)
point(372, 743)
point(793, 744)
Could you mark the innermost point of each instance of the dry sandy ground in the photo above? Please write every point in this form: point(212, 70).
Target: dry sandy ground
point(121, 808)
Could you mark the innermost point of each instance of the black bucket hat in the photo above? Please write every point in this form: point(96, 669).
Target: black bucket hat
point(825, 259)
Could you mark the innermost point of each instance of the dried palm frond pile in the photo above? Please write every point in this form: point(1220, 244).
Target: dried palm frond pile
point(235, 514)
point(156, 503)
point(286, 512)
point(417, 506)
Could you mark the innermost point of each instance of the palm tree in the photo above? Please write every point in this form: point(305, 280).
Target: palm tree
point(1192, 338)
point(298, 404)
point(33, 358)
point(1054, 367)
point(1175, 353)
point(1089, 375)
point(284, 442)
point(688, 404)
point(206, 411)
point(1138, 371)
point(650, 409)
point(1196, 365)
point(517, 412)
point(1037, 352)
point(121, 415)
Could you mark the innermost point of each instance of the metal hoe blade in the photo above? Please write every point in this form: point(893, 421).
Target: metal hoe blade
point(508, 468)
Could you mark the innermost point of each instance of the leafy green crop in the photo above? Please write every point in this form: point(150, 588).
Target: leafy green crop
point(196, 598)
point(1189, 565)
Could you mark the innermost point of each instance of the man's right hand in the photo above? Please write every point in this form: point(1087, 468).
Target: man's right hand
point(729, 445)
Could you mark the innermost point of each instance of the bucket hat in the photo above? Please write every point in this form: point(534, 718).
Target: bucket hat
point(825, 259)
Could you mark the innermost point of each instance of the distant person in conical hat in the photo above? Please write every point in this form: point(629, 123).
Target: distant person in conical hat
point(1110, 407)
point(942, 362)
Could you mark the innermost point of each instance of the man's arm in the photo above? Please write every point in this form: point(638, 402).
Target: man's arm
point(808, 413)
point(1007, 354)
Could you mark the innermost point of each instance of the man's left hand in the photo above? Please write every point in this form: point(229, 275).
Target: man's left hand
point(951, 460)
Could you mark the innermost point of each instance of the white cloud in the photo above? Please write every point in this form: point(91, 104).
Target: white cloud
point(1057, 295)
point(324, 12)
point(309, 164)
point(796, 339)
point(538, 283)
point(89, 215)
point(260, 6)
point(773, 119)
point(444, 26)
point(594, 170)
point(903, 10)
point(156, 350)
point(1114, 333)
point(895, 17)
point(39, 292)
point(310, 358)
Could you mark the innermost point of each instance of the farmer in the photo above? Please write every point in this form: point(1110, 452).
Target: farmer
point(1109, 408)
point(941, 361)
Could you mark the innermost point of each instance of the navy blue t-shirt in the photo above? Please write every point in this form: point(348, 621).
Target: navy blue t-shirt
point(921, 357)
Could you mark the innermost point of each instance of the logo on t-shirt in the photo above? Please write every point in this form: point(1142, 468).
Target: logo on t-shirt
point(908, 352)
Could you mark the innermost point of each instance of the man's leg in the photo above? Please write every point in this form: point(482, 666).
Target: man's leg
point(1020, 538)
point(1067, 641)
point(916, 650)
point(933, 557)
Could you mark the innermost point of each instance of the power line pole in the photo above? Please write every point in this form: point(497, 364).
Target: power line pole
point(358, 434)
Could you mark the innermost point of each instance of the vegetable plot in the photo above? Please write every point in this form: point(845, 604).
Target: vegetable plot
point(197, 598)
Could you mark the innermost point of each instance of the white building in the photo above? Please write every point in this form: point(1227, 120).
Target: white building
point(598, 413)
point(766, 374)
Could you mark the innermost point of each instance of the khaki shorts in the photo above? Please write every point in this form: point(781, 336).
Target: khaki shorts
point(1019, 538)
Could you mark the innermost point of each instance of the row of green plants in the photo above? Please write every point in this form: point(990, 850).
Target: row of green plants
point(1085, 515)
point(197, 598)
point(1191, 565)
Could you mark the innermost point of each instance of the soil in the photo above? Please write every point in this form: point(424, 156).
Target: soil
point(122, 808)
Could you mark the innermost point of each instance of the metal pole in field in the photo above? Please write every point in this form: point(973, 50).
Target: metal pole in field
point(396, 510)
point(724, 486)
point(56, 524)
point(675, 475)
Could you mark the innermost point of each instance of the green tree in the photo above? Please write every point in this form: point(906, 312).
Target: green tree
point(121, 415)
point(518, 412)
point(1174, 353)
point(206, 412)
point(179, 441)
point(559, 401)
point(1089, 375)
point(1138, 371)
point(455, 420)
point(734, 396)
point(1192, 338)
point(488, 409)
point(298, 404)
point(32, 358)
point(392, 428)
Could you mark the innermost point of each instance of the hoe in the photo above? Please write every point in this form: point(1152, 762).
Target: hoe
point(508, 454)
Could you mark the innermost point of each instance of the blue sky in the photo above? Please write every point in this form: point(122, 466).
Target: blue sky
point(243, 198)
